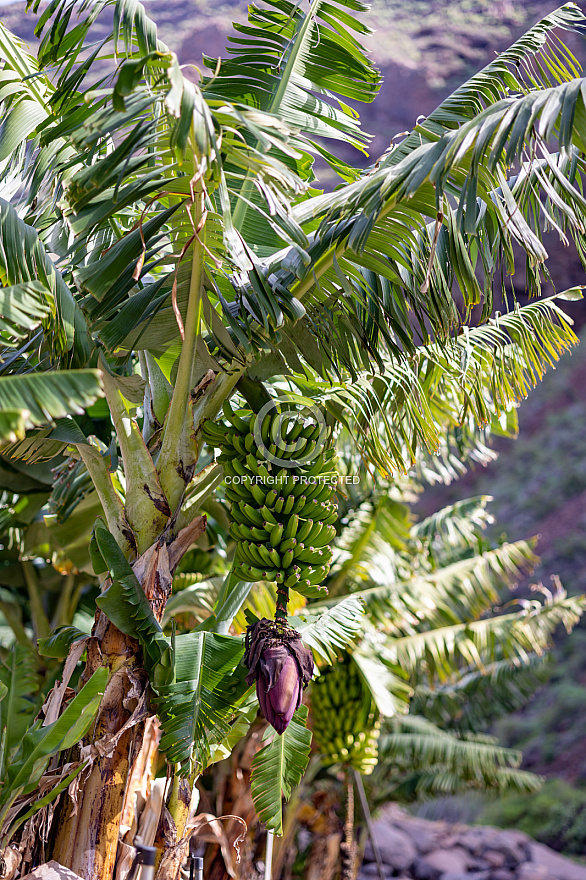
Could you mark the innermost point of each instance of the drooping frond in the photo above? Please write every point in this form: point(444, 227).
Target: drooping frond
point(454, 529)
point(19, 703)
point(419, 760)
point(514, 637)
point(299, 65)
point(453, 594)
point(515, 70)
point(465, 382)
point(333, 630)
point(27, 271)
point(481, 696)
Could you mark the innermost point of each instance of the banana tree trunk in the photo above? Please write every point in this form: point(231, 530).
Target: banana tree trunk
point(88, 824)
point(86, 837)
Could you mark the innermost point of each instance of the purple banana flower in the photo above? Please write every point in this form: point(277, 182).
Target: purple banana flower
point(281, 665)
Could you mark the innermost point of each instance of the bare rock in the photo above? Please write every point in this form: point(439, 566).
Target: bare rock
point(476, 864)
point(454, 861)
point(396, 848)
point(467, 875)
point(502, 874)
point(557, 866)
point(532, 871)
point(494, 858)
point(370, 870)
point(424, 834)
point(422, 870)
point(51, 871)
point(514, 844)
point(472, 839)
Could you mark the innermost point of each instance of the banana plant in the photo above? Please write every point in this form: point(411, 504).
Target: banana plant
point(163, 250)
point(434, 591)
point(433, 635)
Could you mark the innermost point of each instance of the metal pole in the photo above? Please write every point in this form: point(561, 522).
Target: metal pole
point(269, 855)
point(369, 826)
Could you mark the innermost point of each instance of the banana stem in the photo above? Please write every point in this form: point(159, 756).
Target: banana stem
point(175, 423)
point(348, 846)
point(369, 825)
point(179, 802)
point(254, 392)
point(282, 600)
point(40, 621)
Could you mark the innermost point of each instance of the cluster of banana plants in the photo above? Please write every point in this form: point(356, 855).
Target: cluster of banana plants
point(164, 250)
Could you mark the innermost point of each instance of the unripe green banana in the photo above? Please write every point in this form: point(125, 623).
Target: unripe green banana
point(319, 574)
point(239, 445)
point(276, 535)
point(340, 723)
point(263, 555)
point(298, 504)
point(321, 535)
point(235, 531)
point(291, 526)
point(287, 558)
point(290, 501)
point(274, 511)
point(291, 580)
point(304, 530)
point(271, 498)
point(237, 514)
point(258, 494)
point(241, 424)
point(268, 515)
point(287, 544)
point(310, 555)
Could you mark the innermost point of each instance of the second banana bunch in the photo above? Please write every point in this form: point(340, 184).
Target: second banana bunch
point(282, 517)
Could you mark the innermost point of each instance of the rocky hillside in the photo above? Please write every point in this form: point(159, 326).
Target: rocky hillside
point(423, 47)
point(416, 848)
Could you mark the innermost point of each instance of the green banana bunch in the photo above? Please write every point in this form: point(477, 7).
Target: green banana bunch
point(281, 517)
point(346, 721)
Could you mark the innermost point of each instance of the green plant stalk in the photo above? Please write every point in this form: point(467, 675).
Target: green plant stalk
point(109, 498)
point(157, 394)
point(197, 411)
point(180, 800)
point(209, 404)
point(62, 612)
point(161, 390)
point(40, 621)
point(14, 620)
point(254, 392)
point(146, 507)
point(282, 602)
point(148, 419)
point(177, 422)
